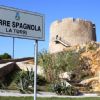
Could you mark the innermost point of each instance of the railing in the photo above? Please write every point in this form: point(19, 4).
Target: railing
point(62, 41)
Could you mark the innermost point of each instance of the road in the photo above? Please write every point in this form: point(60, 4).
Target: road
point(42, 94)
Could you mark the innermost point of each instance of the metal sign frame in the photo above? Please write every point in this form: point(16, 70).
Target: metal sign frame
point(42, 38)
point(34, 14)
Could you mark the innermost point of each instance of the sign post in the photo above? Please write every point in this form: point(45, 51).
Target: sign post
point(23, 24)
point(13, 46)
point(35, 69)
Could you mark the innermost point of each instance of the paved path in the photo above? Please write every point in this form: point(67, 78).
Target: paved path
point(42, 94)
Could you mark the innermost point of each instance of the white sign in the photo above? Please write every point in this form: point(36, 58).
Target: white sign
point(21, 24)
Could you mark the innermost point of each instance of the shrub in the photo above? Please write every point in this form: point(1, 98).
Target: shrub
point(65, 90)
point(5, 56)
point(25, 80)
point(41, 80)
point(54, 64)
point(2, 86)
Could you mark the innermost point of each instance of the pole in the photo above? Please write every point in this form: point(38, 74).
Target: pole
point(13, 46)
point(35, 70)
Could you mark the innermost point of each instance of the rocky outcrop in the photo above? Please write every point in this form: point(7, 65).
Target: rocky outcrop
point(91, 53)
point(7, 68)
point(90, 57)
point(13, 65)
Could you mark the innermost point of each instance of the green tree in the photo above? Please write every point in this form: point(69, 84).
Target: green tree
point(5, 56)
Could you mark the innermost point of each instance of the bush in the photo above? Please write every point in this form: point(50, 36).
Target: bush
point(2, 86)
point(54, 64)
point(25, 80)
point(41, 80)
point(65, 90)
point(5, 56)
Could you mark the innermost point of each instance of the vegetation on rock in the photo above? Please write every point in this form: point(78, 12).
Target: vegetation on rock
point(81, 61)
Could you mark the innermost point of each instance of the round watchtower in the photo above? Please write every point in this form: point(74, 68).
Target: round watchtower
point(70, 32)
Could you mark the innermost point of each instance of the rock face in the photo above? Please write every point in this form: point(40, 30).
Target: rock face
point(13, 65)
point(7, 68)
point(89, 67)
point(92, 56)
point(94, 61)
point(70, 32)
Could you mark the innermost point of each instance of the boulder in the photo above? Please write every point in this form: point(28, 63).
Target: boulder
point(65, 75)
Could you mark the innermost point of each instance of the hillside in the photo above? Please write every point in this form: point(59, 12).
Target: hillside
point(90, 57)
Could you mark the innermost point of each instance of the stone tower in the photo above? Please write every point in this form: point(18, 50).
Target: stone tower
point(70, 32)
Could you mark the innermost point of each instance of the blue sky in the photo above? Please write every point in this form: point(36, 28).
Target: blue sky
point(53, 10)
